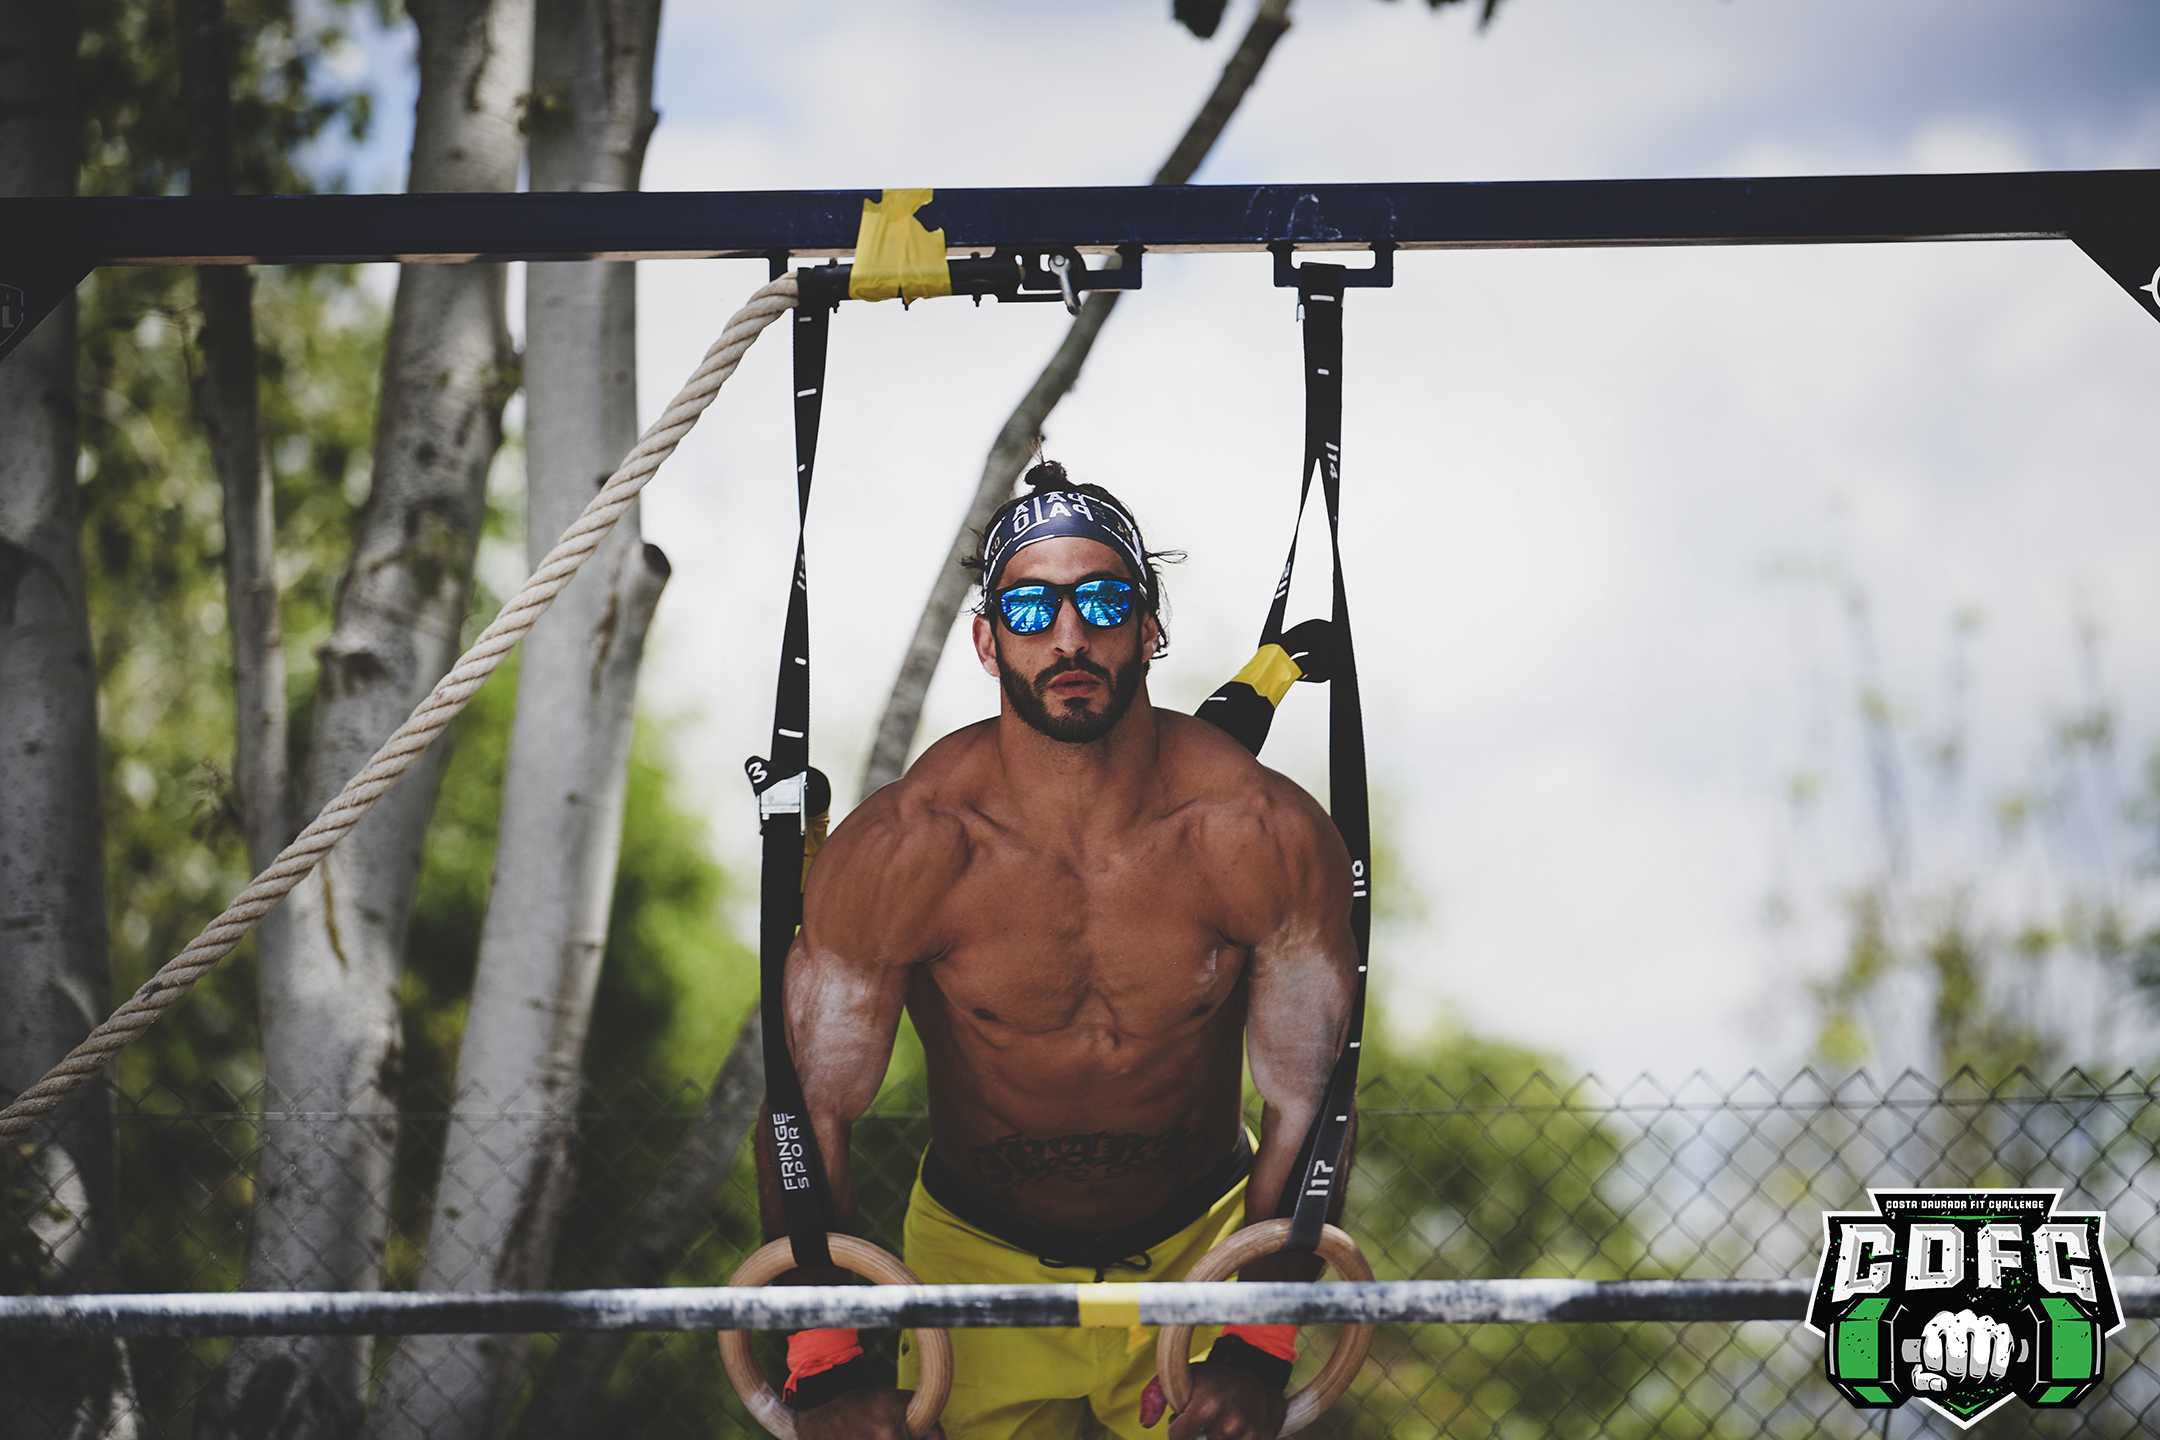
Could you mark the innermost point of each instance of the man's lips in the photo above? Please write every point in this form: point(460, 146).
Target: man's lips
point(1074, 681)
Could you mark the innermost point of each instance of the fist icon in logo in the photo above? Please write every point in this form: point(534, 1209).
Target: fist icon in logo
point(1954, 1347)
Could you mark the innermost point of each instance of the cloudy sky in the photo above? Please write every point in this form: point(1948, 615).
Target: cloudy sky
point(1606, 511)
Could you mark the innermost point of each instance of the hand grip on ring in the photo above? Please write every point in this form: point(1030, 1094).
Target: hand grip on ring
point(1173, 1346)
point(860, 1257)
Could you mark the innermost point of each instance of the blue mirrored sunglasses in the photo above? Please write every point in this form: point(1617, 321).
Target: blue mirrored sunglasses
point(1032, 608)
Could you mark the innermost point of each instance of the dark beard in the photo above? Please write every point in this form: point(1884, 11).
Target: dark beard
point(1073, 729)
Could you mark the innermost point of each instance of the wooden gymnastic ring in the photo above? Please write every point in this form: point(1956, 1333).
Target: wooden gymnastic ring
point(1173, 1345)
point(771, 1261)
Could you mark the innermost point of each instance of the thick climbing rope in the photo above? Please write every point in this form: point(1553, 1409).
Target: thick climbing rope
point(428, 720)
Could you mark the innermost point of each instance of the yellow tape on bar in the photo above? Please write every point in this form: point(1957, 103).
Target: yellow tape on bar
point(895, 257)
point(1108, 1307)
point(1271, 671)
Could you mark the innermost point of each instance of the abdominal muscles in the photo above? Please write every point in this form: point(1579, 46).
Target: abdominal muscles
point(1093, 1117)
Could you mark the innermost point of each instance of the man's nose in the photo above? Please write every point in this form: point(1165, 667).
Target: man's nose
point(1069, 631)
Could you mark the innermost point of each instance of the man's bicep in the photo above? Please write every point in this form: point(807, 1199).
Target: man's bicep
point(843, 996)
point(843, 1014)
point(867, 920)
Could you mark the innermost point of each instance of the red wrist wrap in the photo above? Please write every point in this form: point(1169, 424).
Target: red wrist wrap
point(1279, 1341)
point(813, 1352)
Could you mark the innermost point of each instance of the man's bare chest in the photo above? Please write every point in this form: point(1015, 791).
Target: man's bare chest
point(1133, 942)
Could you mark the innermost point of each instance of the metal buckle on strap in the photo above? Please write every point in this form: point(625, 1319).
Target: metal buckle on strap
point(774, 797)
point(783, 796)
point(806, 792)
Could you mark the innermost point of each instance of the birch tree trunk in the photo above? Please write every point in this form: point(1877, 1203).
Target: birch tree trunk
point(55, 972)
point(1015, 442)
point(330, 952)
point(506, 1163)
point(227, 401)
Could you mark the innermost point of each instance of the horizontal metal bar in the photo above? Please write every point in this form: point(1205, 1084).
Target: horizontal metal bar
point(1400, 1302)
point(456, 228)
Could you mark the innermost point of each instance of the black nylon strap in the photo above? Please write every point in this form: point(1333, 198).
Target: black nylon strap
point(1319, 1173)
point(785, 783)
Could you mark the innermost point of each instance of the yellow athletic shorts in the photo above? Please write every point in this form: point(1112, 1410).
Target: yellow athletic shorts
point(1016, 1383)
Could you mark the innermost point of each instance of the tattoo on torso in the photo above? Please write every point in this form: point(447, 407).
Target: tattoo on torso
point(1102, 1155)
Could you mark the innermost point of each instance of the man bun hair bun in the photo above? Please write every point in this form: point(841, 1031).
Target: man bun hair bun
point(1047, 475)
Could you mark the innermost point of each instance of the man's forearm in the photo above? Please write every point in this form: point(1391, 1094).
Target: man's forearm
point(1271, 1175)
point(772, 1204)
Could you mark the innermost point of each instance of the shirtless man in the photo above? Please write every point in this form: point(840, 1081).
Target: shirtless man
point(1093, 910)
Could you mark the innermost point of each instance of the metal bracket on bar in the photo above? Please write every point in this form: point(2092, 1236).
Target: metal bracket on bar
point(825, 284)
point(1377, 276)
point(32, 286)
point(1064, 272)
point(2131, 259)
point(1018, 275)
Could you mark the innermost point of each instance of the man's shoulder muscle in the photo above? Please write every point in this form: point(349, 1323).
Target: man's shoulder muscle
point(1276, 850)
point(876, 887)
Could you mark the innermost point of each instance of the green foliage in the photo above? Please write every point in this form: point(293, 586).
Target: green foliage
point(30, 1214)
point(677, 980)
point(137, 130)
point(2038, 984)
point(152, 523)
point(152, 531)
point(1505, 1178)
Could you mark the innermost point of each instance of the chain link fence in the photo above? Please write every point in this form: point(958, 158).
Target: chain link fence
point(1533, 1176)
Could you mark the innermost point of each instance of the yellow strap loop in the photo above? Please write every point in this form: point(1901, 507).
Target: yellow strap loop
point(895, 257)
point(1271, 672)
point(814, 841)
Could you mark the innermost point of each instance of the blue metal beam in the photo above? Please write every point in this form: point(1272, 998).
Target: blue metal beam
point(2113, 214)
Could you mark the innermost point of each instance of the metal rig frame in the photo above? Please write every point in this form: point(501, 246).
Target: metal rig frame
point(1036, 236)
